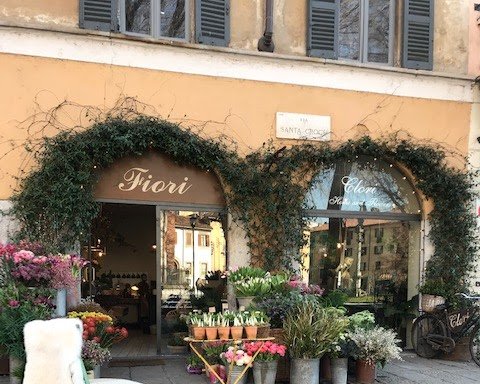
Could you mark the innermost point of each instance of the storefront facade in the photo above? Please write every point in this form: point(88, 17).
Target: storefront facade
point(58, 70)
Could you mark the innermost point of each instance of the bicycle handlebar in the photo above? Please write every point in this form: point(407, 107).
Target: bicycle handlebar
point(465, 296)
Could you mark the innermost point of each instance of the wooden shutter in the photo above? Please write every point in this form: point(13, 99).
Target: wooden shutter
point(100, 15)
point(418, 34)
point(212, 22)
point(323, 22)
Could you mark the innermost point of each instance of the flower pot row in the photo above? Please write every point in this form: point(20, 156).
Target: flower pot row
point(227, 333)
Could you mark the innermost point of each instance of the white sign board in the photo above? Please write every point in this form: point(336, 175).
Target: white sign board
point(303, 127)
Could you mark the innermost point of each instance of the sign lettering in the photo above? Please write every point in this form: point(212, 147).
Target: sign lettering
point(458, 319)
point(139, 177)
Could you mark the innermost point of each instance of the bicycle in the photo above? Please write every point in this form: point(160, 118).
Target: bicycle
point(439, 331)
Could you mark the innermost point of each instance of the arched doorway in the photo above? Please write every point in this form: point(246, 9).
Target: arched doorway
point(364, 231)
point(161, 229)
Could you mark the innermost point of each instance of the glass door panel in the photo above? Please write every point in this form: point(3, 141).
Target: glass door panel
point(191, 259)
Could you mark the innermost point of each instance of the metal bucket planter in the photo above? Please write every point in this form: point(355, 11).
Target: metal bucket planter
point(305, 371)
point(15, 364)
point(234, 373)
point(264, 372)
point(339, 368)
point(61, 302)
point(245, 301)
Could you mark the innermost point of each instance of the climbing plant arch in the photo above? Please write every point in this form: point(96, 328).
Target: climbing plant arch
point(264, 191)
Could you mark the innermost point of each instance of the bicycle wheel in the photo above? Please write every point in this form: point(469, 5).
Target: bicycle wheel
point(423, 326)
point(475, 344)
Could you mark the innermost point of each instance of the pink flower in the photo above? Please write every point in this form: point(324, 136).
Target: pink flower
point(23, 255)
point(13, 303)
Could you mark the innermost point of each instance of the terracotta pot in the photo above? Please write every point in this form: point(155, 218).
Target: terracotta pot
point(365, 372)
point(223, 333)
point(198, 333)
point(237, 332)
point(251, 331)
point(211, 333)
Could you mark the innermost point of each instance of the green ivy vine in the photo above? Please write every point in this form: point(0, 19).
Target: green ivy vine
point(264, 191)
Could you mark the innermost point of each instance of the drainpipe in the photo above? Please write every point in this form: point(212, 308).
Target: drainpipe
point(265, 43)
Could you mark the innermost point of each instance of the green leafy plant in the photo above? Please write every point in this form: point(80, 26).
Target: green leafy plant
point(265, 191)
point(362, 320)
point(434, 287)
point(19, 305)
point(310, 330)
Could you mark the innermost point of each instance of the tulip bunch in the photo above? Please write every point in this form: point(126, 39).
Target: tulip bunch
point(236, 356)
point(99, 328)
point(269, 351)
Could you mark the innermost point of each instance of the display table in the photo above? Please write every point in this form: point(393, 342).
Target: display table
point(236, 342)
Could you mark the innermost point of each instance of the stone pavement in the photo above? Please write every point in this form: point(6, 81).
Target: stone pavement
point(416, 370)
point(412, 370)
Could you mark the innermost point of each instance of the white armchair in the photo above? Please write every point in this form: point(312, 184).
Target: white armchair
point(54, 353)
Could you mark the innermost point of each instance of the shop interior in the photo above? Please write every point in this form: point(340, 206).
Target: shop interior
point(138, 252)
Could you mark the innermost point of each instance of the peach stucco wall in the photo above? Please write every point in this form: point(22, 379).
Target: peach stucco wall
point(474, 40)
point(451, 35)
point(240, 109)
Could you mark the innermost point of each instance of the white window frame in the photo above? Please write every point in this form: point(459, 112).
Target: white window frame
point(155, 22)
point(363, 30)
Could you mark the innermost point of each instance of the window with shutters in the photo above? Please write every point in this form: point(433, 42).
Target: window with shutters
point(160, 18)
point(155, 18)
point(204, 240)
point(366, 30)
point(363, 30)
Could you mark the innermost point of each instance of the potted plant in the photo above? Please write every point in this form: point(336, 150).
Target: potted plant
point(266, 362)
point(210, 323)
point(247, 282)
point(198, 329)
point(212, 352)
point(433, 293)
point(372, 346)
point(237, 327)
point(237, 361)
point(176, 345)
point(340, 350)
point(309, 332)
point(250, 325)
point(25, 295)
point(93, 356)
point(223, 326)
point(194, 365)
point(263, 324)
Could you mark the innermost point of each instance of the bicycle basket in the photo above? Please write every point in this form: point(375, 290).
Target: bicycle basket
point(430, 302)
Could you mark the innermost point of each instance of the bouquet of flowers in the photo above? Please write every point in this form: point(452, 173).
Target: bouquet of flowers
point(94, 354)
point(269, 351)
point(66, 271)
point(99, 328)
point(236, 356)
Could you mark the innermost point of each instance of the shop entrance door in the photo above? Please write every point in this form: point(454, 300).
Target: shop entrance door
point(150, 266)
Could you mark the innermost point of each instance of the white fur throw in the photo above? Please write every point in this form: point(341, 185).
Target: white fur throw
point(54, 353)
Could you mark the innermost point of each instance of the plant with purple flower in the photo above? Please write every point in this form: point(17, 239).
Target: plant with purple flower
point(94, 354)
point(66, 271)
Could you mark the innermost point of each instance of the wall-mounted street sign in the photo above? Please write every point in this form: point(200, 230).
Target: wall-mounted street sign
point(299, 126)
